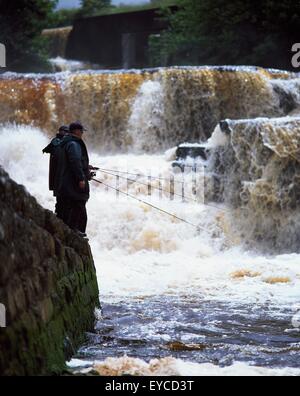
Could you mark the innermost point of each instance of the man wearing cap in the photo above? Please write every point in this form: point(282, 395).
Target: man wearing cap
point(53, 165)
point(73, 178)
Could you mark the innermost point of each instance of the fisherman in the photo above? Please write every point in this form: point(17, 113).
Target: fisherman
point(53, 166)
point(73, 178)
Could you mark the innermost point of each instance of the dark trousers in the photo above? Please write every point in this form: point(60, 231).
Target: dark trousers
point(74, 214)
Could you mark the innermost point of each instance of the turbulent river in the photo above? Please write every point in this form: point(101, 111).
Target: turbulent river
point(220, 299)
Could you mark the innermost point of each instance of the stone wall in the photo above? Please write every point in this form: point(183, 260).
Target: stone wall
point(47, 284)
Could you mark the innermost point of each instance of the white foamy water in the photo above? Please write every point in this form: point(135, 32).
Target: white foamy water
point(147, 116)
point(60, 64)
point(141, 252)
point(177, 367)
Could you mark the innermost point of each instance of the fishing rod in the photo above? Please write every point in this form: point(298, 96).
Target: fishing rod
point(147, 185)
point(198, 227)
point(157, 188)
point(140, 175)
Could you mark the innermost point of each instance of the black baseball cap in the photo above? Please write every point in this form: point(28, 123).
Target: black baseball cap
point(64, 128)
point(75, 126)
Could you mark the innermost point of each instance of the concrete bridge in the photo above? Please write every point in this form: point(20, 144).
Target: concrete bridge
point(115, 41)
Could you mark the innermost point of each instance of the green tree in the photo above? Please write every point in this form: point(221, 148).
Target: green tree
point(21, 24)
point(230, 32)
point(93, 7)
point(63, 17)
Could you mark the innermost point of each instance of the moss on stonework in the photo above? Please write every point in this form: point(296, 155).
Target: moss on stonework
point(49, 344)
point(48, 286)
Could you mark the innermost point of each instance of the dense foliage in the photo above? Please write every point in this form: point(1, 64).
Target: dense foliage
point(201, 31)
point(229, 32)
point(67, 16)
point(93, 7)
point(63, 17)
point(21, 24)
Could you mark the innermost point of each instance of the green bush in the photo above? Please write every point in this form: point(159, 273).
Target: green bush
point(92, 7)
point(63, 17)
point(229, 32)
point(21, 24)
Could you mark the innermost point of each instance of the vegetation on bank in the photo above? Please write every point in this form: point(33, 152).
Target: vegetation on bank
point(66, 17)
point(21, 24)
point(229, 32)
point(200, 32)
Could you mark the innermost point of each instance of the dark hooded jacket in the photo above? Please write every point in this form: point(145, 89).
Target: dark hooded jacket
point(51, 149)
point(73, 167)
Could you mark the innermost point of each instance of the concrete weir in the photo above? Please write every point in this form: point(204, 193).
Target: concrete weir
point(48, 286)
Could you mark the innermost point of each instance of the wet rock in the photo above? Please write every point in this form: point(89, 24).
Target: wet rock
point(286, 99)
point(258, 177)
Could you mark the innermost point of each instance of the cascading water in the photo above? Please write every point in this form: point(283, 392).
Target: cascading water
point(197, 299)
point(57, 39)
point(60, 64)
point(122, 109)
point(257, 164)
point(147, 117)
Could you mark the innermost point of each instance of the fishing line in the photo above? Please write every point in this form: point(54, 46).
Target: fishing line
point(155, 188)
point(158, 188)
point(139, 174)
point(153, 206)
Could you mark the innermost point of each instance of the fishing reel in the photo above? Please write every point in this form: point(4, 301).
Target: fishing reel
point(93, 171)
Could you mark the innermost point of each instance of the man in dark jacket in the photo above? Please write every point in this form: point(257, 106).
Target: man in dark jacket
point(73, 178)
point(53, 166)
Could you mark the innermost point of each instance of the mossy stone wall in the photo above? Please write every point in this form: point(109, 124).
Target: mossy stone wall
point(47, 284)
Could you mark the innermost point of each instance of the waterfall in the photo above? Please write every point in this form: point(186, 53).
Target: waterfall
point(146, 122)
point(257, 167)
point(150, 110)
point(58, 39)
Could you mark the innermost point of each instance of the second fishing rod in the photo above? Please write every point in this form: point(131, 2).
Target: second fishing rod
point(171, 192)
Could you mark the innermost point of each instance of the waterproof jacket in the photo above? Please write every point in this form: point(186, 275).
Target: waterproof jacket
point(51, 149)
point(73, 164)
